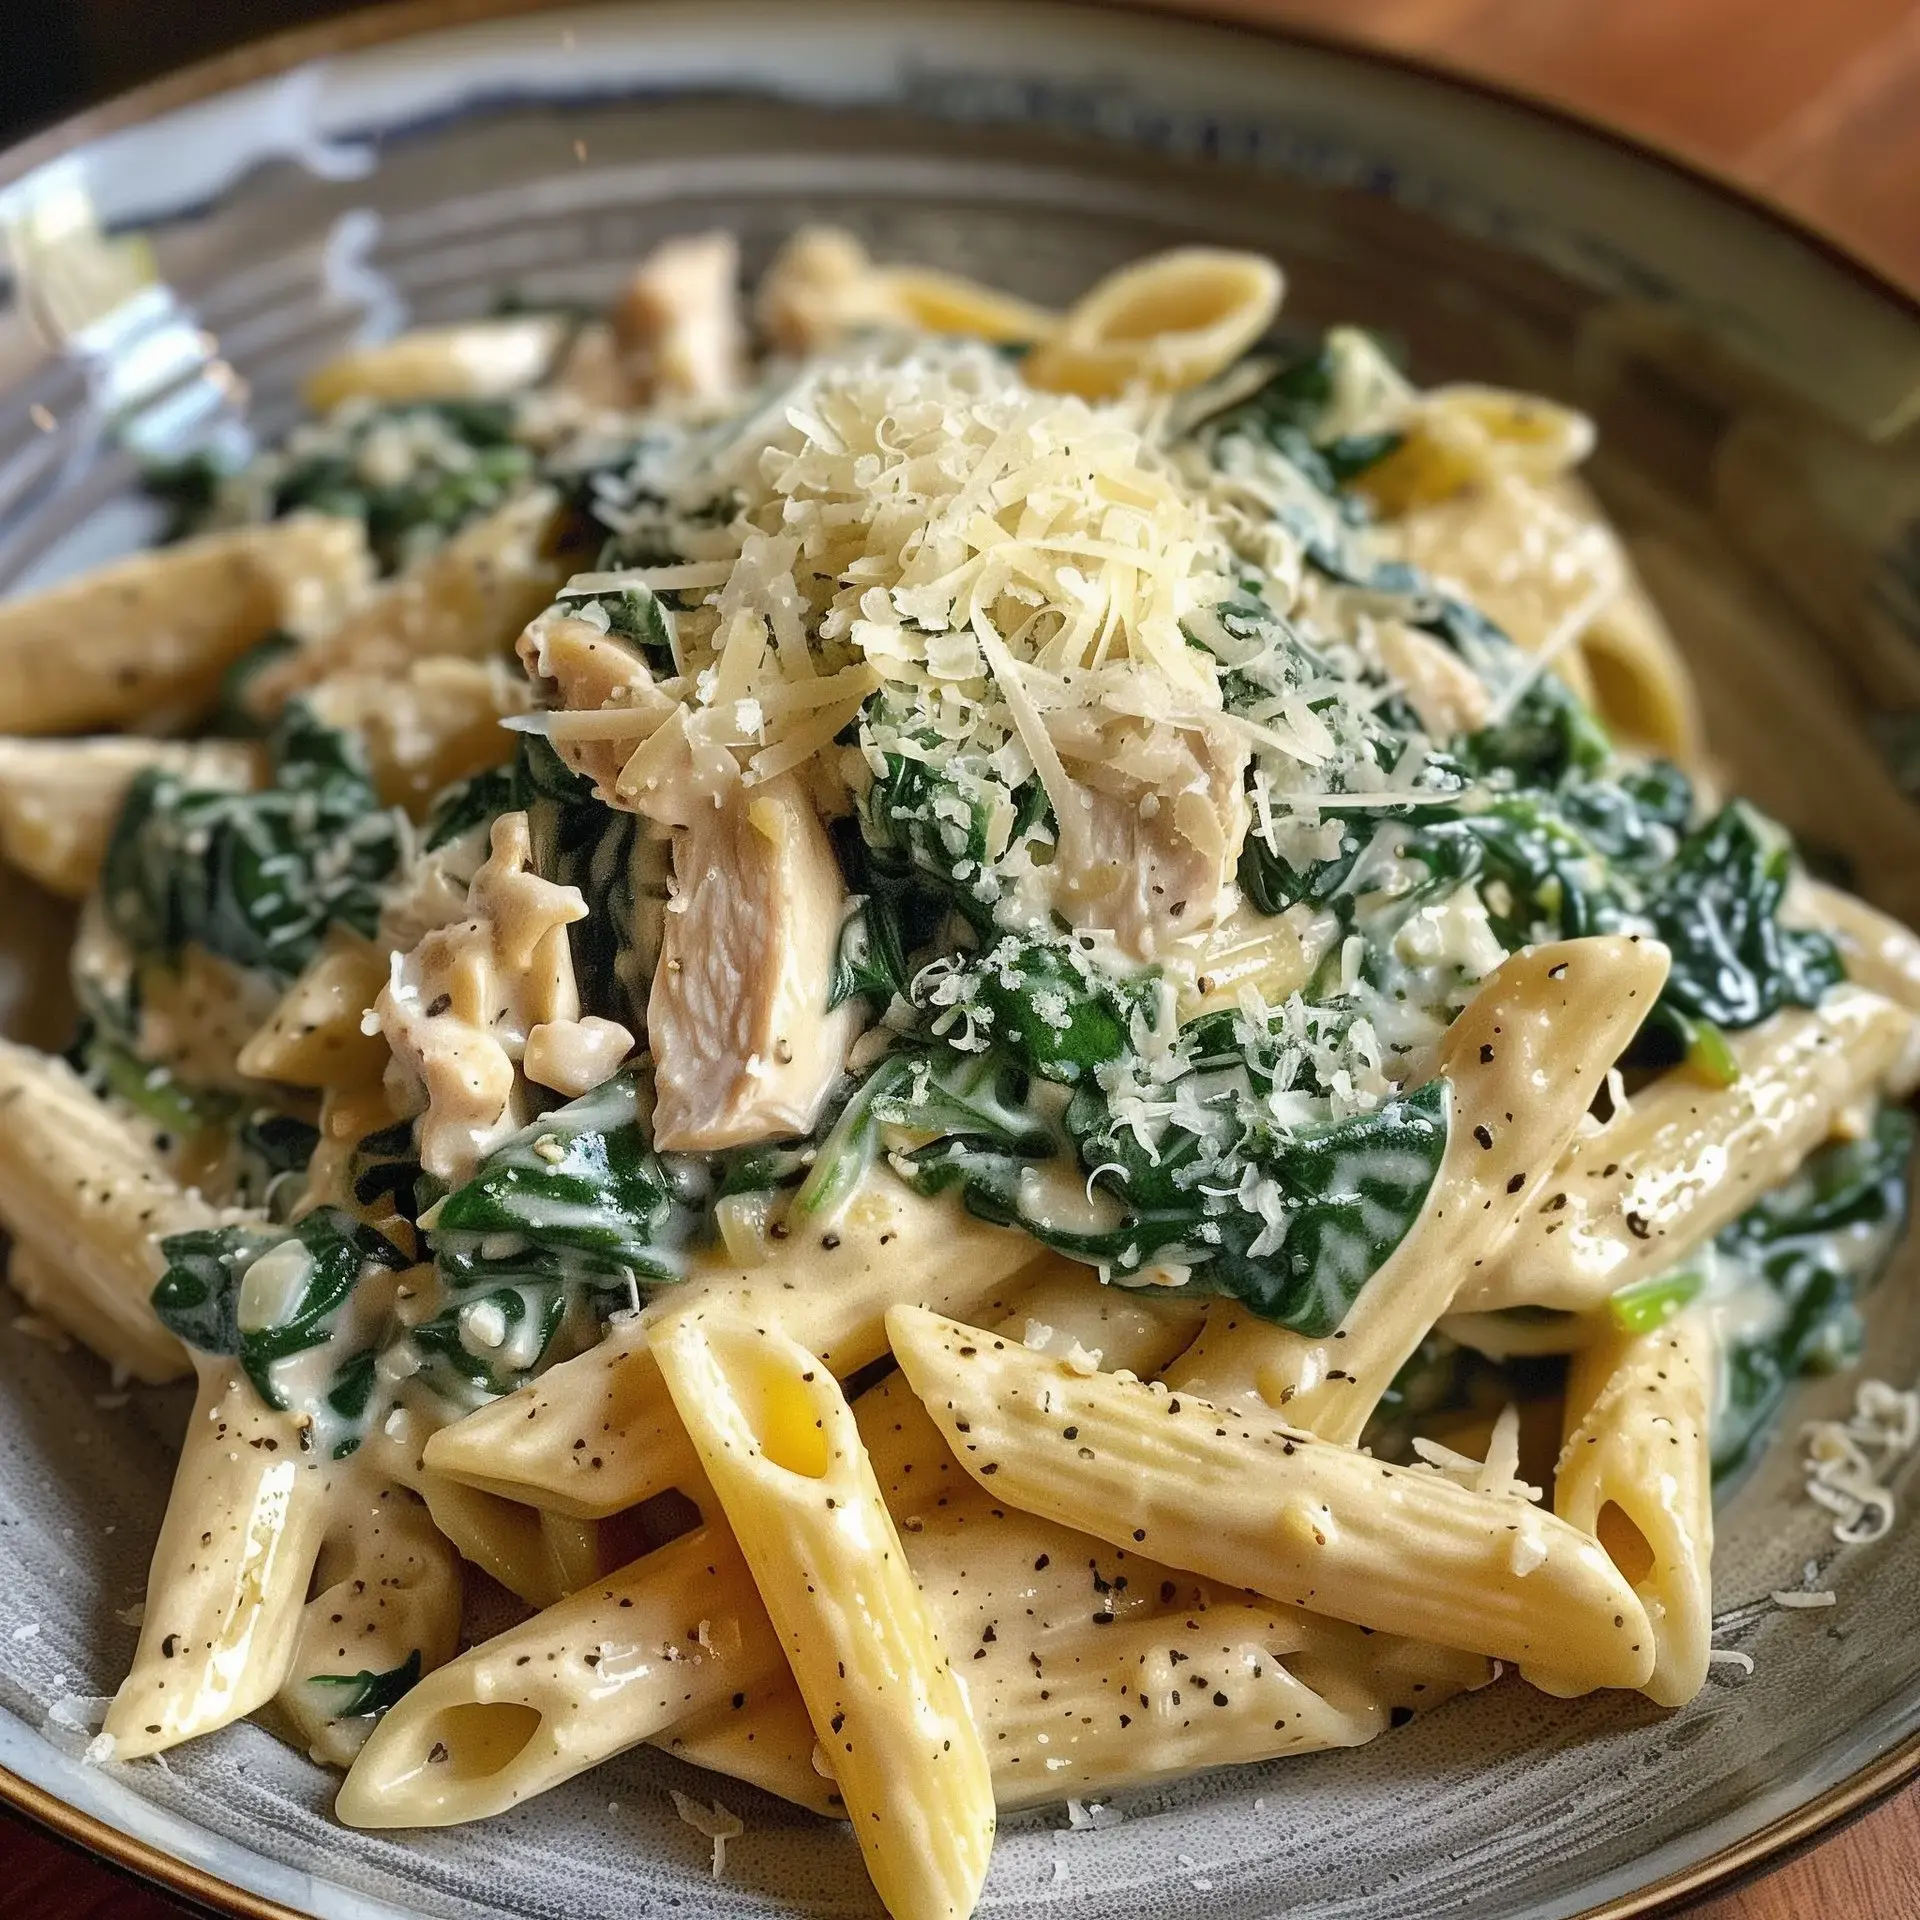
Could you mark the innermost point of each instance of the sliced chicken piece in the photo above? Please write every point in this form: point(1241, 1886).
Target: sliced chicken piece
point(594, 673)
point(1155, 860)
point(744, 1047)
point(677, 321)
point(820, 286)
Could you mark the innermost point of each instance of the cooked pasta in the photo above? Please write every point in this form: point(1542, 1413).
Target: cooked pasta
point(660, 863)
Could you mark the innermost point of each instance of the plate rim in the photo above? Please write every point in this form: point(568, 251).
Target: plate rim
point(375, 25)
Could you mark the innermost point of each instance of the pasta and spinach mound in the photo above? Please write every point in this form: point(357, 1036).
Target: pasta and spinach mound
point(1129, 885)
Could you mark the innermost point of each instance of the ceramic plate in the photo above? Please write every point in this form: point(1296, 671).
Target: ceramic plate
point(188, 253)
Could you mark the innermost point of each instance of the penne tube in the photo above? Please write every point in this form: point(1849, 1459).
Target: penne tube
point(59, 799)
point(424, 728)
point(666, 1639)
point(228, 1582)
point(1636, 1472)
point(1879, 953)
point(313, 1037)
point(1641, 686)
point(1169, 1695)
point(387, 1602)
point(968, 1553)
point(151, 635)
point(780, 1447)
point(538, 1557)
point(1164, 323)
point(472, 360)
point(1688, 1157)
point(598, 1434)
point(1536, 1041)
point(823, 285)
point(761, 1735)
point(469, 599)
point(1252, 1503)
point(88, 1201)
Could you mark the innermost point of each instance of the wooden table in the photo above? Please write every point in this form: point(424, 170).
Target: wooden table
point(1816, 102)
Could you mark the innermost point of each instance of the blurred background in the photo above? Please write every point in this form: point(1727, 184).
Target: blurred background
point(1815, 102)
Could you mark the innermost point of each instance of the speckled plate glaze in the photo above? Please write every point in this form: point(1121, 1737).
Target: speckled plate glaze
point(1752, 388)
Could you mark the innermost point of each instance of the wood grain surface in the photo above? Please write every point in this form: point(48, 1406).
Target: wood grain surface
point(1815, 102)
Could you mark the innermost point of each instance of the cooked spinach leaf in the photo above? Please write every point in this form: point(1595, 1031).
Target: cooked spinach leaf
point(413, 474)
point(578, 1197)
point(203, 1295)
point(1816, 1242)
point(365, 1693)
point(255, 878)
point(1717, 906)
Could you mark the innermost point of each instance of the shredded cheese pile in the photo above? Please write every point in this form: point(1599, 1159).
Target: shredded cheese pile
point(1007, 561)
point(1846, 1461)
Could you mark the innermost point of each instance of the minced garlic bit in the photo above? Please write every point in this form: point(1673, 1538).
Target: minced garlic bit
point(1730, 1657)
point(715, 1822)
point(1846, 1460)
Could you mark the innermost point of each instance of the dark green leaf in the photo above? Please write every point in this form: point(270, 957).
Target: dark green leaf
point(366, 1693)
point(1718, 909)
point(198, 1295)
point(255, 878)
point(579, 1195)
point(1817, 1242)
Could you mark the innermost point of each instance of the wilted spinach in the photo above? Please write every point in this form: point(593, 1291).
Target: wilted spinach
point(255, 878)
point(366, 1693)
point(199, 1295)
point(1817, 1241)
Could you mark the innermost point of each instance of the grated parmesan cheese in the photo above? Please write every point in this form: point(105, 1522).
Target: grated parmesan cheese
point(1845, 1461)
point(1797, 1599)
point(716, 1823)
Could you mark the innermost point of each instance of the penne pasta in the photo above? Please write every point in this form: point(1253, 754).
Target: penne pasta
point(468, 600)
point(427, 726)
point(1636, 1472)
point(1538, 1038)
point(599, 1434)
point(386, 1607)
point(1214, 1688)
point(471, 360)
point(1165, 323)
point(314, 1036)
point(761, 1735)
point(1878, 952)
point(228, 1583)
point(159, 629)
point(538, 1557)
point(780, 1446)
point(1687, 1157)
point(823, 285)
point(666, 1639)
point(87, 1201)
point(1124, 868)
point(60, 798)
point(1252, 1503)
point(1463, 436)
